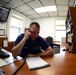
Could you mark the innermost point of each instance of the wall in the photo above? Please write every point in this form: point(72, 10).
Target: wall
point(28, 21)
point(47, 26)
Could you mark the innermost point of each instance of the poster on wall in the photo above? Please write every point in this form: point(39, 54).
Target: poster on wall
point(2, 32)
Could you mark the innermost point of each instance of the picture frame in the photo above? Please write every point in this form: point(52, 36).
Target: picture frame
point(2, 32)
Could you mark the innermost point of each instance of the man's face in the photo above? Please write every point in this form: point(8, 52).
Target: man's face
point(34, 32)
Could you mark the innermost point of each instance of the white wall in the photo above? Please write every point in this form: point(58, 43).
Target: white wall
point(27, 22)
point(47, 26)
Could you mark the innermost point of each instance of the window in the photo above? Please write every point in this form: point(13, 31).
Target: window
point(60, 22)
point(59, 34)
point(60, 30)
point(15, 28)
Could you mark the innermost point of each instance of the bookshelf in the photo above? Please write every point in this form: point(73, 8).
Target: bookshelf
point(71, 29)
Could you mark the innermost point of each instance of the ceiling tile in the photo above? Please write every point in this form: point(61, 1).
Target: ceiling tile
point(24, 7)
point(19, 10)
point(62, 8)
point(16, 2)
point(35, 4)
point(48, 2)
point(71, 3)
point(63, 14)
point(5, 0)
point(30, 17)
point(30, 12)
point(62, 2)
point(53, 14)
point(2, 3)
point(11, 6)
point(44, 15)
point(27, 1)
point(35, 16)
point(25, 13)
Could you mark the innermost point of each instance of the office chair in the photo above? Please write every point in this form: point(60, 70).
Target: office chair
point(49, 40)
point(56, 47)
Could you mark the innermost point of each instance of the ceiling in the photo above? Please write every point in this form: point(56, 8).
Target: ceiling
point(26, 7)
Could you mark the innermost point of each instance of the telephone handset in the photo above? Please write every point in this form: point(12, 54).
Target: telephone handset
point(27, 29)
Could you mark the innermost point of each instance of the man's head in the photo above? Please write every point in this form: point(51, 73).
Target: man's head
point(34, 29)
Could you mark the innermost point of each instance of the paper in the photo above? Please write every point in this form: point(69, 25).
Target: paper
point(36, 63)
point(8, 61)
point(5, 43)
point(2, 63)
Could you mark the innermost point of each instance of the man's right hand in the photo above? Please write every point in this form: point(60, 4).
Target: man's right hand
point(27, 34)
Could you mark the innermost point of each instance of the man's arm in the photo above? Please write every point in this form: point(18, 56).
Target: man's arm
point(17, 49)
point(48, 52)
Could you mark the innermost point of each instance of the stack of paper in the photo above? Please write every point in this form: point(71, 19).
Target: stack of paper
point(8, 61)
point(2, 63)
point(36, 63)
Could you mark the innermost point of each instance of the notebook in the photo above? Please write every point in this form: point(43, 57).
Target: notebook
point(36, 63)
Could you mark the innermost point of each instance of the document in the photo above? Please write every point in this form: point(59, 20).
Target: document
point(5, 43)
point(8, 61)
point(2, 63)
point(36, 63)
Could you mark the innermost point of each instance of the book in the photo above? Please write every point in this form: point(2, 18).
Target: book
point(36, 63)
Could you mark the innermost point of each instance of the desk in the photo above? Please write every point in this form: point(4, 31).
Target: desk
point(63, 63)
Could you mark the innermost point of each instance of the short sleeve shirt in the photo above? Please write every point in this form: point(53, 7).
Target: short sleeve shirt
point(31, 46)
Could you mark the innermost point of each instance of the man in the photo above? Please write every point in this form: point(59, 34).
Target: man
point(30, 43)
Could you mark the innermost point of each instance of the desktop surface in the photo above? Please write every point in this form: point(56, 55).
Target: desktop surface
point(63, 63)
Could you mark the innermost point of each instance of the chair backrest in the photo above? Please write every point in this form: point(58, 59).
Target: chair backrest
point(49, 40)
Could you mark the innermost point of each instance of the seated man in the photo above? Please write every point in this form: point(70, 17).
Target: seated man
point(29, 43)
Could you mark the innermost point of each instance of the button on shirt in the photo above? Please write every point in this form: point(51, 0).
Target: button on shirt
point(31, 46)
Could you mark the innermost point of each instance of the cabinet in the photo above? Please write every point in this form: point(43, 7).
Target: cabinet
point(10, 43)
point(71, 28)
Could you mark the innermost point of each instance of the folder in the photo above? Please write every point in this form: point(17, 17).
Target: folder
point(36, 63)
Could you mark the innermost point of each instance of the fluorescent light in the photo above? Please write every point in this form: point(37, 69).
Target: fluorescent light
point(45, 9)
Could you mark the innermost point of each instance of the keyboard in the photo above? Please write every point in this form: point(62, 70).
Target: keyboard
point(3, 54)
point(2, 72)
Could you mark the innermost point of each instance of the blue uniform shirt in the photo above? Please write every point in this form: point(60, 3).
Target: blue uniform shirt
point(31, 46)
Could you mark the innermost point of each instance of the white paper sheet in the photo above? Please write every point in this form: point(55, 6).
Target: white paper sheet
point(2, 63)
point(9, 60)
point(36, 63)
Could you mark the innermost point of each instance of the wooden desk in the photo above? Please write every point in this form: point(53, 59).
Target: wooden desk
point(63, 63)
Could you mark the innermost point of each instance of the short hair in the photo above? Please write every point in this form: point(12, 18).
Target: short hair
point(35, 23)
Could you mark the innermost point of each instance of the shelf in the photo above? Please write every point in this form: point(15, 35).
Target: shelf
point(71, 28)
